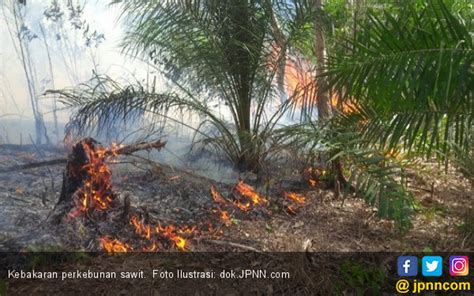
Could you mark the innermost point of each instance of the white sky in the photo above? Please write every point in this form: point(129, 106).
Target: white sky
point(70, 65)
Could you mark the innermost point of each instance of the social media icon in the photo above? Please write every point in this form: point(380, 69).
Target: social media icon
point(407, 265)
point(459, 265)
point(432, 266)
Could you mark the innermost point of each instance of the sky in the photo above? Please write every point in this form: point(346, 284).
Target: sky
point(72, 61)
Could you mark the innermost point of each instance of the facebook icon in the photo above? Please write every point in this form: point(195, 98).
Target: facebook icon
point(407, 265)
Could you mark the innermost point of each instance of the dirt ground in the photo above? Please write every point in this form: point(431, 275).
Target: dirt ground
point(175, 196)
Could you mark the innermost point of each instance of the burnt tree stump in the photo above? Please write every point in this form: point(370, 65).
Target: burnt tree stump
point(87, 180)
point(75, 174)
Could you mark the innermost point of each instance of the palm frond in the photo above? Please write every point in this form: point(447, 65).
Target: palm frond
point(414, 72)
point(373, 175)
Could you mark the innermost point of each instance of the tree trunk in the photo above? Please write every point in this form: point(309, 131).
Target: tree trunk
point(322, 97)
point(24, 57)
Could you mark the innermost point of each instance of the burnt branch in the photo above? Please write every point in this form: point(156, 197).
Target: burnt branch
point(126, 150)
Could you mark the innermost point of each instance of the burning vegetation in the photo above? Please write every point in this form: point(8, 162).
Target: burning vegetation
point(89, 195)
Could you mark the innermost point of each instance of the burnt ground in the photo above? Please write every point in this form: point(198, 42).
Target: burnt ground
point(174, 196)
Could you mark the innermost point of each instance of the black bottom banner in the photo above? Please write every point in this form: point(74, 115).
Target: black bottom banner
point(234, 274)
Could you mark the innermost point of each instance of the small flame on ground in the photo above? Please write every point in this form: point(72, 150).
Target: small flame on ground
point(250, 193)
point(296, 197)
point(216, 196)
point(170, 232)
point(223, 215)
point(142, 229)
point(114, 245)
point(291, 209)
point(310, 172)
point(245, 207)
point(179, 242)
point(152, 248)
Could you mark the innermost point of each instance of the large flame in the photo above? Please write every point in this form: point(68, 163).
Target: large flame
point(96, 192)
point(300, 83)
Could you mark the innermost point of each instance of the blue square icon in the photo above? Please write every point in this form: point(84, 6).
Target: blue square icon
point(407, 265)
point(432, 266)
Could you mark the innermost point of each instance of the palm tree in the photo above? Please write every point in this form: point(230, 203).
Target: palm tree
point(407, 82)
point(411, 76)
point(223, 51)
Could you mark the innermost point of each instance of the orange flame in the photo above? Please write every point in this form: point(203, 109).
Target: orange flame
point(152, 248)
point(291, 209)
point(140, 228)
point(97, 189)
point(250, 193)
point(224, 216)
point(310, 176)
point(179, 242)
point(243, 207)
point(216, 196)
point(300, 83)
point(114, 245)
point(295, 197)
point(169, 231)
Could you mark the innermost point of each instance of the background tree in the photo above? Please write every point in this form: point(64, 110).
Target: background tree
point(407, 84)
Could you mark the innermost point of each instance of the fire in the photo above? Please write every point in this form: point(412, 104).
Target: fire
point(300, 85)
point(187, 230)
point(309, 174)
point(216, 196)
point(250, 193)
point(223, 215)
point(143, 230)
point(152, 248)
point(243, 207)
point(179, 242)
point(170, 232)
point(296, 197)
point(299, 81)
point(114, 245)
point(291, 209)
point(96, 193)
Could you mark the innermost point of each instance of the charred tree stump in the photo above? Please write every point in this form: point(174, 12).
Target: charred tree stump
point(87, 185)
point(75, 174)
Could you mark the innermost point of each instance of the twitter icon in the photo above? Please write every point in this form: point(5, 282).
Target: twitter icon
point(432, 266)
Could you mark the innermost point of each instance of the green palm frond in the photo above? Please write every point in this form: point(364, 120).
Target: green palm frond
point(414, 72)
point(211, 52)
point(374, 176)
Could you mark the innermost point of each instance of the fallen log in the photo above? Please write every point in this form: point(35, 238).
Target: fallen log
point(125, 150)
